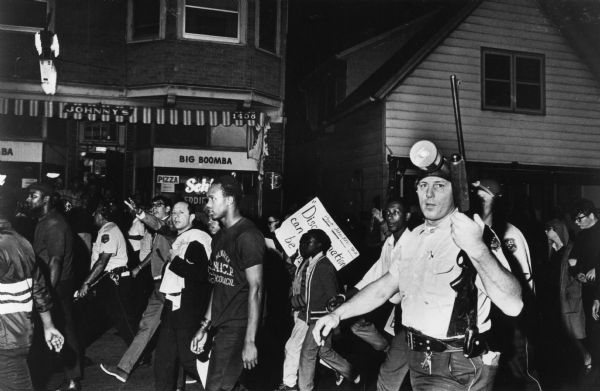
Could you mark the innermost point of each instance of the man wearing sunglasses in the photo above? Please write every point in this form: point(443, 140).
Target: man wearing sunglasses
point(159, 224)
point(430, 263)
point(585, 262)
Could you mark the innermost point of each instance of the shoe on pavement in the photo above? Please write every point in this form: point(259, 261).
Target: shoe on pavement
point(115, 371)
point(70, 385)
point(339, 379)
point(284, 387)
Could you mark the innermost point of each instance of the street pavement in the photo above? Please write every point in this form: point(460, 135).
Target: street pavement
point(109, 348)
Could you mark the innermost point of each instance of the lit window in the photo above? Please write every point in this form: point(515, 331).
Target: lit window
point(145, 19)
point(24, 15)
point(512, 81)
point(99, 132)
point(215, 20)
point(268, 24)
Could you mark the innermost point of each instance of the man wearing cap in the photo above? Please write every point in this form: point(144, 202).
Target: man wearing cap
point(109, 274)
point(53, 246)
point(585, 262)
point(443, 327)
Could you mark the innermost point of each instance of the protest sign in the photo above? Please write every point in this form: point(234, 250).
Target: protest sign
point(314, 216)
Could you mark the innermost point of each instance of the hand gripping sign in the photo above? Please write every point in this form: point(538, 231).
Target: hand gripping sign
point(314, 216)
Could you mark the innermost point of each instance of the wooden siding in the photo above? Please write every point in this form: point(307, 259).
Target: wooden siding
point(567, 135)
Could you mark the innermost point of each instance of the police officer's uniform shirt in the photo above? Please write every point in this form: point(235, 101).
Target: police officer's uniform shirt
point(389, 252)
point(425, 269)
point(111, 241)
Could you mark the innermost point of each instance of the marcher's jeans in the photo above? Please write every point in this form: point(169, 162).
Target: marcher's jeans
point(367, 331)
point(14, 372)
point(172, 350)
point(225, 365)
point(451, 372)
point(63, 318)
point(293, 347)
point(308, 360)
point(115, 301)
point(147, 327)
point(393, 370)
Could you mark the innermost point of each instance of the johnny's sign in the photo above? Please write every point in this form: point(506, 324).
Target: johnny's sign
point(80, 108)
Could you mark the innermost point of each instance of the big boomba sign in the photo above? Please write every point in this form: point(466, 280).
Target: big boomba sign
point(203, 159)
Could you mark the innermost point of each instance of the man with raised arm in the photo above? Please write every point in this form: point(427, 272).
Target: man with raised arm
point(447, 278)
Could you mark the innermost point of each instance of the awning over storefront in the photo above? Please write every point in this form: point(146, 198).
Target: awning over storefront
point(131, 114)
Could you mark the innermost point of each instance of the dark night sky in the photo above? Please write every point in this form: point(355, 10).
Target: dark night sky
point(320, 28)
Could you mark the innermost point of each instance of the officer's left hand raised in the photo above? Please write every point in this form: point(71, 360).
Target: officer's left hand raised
point(467, 233)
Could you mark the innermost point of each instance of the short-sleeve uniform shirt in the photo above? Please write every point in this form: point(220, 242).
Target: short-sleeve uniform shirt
point(389, 252)
point(111, 241)
point(234, 250)
point(424, 271)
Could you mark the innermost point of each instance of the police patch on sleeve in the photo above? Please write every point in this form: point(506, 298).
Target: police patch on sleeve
point(105, 238)
point(510, 244)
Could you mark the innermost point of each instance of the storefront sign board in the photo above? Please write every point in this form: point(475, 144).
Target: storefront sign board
point(314, 216)
point(21, 151)
point(203, 159)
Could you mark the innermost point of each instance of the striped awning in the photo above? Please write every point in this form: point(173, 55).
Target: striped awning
point(131, 114)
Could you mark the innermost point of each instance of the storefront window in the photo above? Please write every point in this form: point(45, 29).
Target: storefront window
point(99, 132)
point(228, 136)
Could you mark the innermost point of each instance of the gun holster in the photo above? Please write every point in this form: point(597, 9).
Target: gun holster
point(474, 344)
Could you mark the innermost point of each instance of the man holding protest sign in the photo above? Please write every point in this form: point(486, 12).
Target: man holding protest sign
point(443, 256)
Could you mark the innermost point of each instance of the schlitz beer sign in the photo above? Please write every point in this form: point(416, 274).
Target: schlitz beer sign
point(93, 110)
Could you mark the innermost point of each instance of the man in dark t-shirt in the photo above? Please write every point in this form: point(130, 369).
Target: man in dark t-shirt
point(53, 247)
point(236, 271)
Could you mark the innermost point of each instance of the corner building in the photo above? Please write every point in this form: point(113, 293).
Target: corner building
point(152, 95)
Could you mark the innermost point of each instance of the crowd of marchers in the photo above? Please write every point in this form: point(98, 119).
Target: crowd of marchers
point(190, 288)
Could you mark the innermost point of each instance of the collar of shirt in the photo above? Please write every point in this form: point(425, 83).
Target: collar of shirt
point(316, 257)
point(444, 222)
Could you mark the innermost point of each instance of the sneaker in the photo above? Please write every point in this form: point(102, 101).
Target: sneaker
point(284, 387)
point(356, 379)
point(339, 379)
point(115, 371)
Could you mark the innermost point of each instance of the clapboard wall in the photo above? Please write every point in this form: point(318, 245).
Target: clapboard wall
point(567, 135)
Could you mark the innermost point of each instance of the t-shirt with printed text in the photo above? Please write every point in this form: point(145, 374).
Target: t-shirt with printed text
point(234, 250)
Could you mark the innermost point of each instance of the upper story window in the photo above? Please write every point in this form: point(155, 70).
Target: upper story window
point(512, 81)
point(146, 20)
point(268, 14)
point(214, 20)
point(25, 15)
